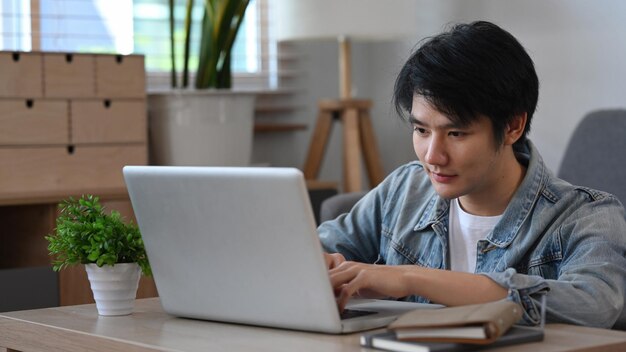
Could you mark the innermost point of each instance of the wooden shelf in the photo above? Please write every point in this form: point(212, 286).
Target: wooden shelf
point(279, 127)
point(276, 108)
point(55, 196)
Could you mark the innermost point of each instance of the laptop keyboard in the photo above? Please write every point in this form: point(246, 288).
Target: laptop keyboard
point(353, 313)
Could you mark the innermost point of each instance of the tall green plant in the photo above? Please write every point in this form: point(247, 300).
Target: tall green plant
point(172, 45)
point(220, 23)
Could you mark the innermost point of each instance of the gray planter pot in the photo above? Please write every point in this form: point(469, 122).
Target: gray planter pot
point(201, 128)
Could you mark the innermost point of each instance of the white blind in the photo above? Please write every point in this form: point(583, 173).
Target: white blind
point(67, 25)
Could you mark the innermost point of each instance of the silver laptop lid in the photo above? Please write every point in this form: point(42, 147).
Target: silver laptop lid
point(234, 244)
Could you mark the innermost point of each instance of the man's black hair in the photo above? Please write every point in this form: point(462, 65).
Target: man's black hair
point(471, 70)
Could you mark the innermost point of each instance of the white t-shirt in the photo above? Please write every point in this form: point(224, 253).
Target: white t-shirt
point(465, 232)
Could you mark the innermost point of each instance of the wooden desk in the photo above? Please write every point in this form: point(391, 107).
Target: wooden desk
point(79, 328)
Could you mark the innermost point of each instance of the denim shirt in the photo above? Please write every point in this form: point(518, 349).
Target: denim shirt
point(565, 241)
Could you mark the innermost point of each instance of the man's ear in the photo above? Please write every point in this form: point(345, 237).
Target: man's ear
point(515, 128)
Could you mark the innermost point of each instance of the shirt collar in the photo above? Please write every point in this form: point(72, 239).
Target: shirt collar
point(518, 209)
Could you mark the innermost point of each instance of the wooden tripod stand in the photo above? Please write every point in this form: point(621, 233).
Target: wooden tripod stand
point(358, 138)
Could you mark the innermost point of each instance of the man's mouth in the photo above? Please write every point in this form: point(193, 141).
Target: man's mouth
point(440, 177)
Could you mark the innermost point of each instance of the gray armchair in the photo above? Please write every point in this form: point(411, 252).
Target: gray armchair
point(336, 205)
point(596, 154)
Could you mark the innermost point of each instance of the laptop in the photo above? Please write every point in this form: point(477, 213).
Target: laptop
point(240, 245)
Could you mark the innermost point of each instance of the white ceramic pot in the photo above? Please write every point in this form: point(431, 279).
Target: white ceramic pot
point(201, 127)
point(114, 287)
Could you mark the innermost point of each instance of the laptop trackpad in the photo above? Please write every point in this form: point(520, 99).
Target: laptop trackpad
point(387, 306)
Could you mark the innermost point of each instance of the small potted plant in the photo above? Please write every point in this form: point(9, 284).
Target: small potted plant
point(111, 250)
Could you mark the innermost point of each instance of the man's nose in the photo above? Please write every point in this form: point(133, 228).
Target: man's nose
point(436, 153)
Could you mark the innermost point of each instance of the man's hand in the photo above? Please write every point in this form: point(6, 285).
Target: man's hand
point(446, 287)
point(333, 260)
point(367, 281)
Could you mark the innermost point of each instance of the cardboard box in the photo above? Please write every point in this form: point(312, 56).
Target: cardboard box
point(108, 121)
point(34, 122)
point(32, 171)
point(69, 75)
point(20, 75)
point(119, 76)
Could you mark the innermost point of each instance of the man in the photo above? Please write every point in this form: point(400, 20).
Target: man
point(480, 217)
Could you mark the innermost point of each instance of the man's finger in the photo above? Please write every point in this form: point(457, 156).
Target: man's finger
point(347, 291)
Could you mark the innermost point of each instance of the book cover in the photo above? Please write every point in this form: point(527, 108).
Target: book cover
point(387, 341)
point(476, 323)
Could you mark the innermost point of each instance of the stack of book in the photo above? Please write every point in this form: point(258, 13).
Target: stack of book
point(464, 328)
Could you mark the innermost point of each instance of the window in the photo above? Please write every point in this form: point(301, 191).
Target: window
point(67, 25)
point(14, 25)
point(152, 35)
point(86, 26)
point(130, 26)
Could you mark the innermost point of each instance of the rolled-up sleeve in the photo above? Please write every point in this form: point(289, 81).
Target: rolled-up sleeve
point(524, 290)
point(590, 286)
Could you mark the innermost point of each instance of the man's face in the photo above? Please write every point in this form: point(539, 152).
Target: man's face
point(461, 161)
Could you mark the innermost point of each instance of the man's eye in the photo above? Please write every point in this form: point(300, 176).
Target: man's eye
point(419, 130)
point(456, 134)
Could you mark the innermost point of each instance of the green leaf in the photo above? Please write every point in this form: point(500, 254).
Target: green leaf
point(172, 44)
point(93, 255)
point(221, 20)
point(84, 233)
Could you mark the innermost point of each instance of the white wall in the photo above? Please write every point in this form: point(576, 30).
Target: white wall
point(578, 46)
point(579, 50)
